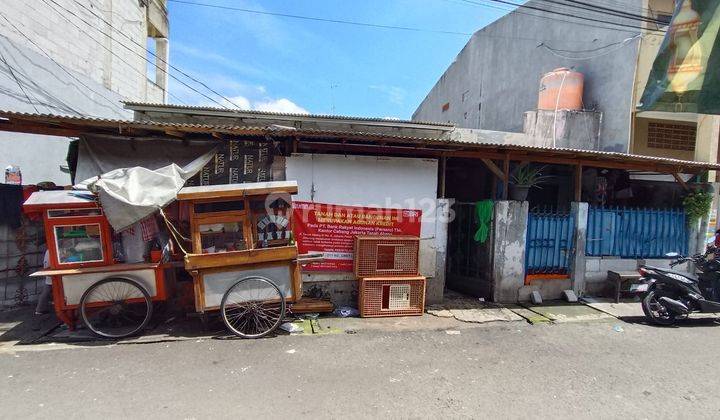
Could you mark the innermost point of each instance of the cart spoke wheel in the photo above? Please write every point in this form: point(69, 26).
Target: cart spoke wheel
point(253, 307)
point(116, 308)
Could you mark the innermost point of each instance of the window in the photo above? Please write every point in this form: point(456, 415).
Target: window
point(671, 136)
point(222, 237)
point(78, 243)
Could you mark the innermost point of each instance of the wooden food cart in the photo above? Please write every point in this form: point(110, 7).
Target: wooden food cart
point(243, 262)
point(113, 300)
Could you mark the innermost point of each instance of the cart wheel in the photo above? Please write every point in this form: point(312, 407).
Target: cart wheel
point(116, 307)
point(253, 307)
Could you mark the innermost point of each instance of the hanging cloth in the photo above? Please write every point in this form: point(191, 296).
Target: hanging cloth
point(484, 211)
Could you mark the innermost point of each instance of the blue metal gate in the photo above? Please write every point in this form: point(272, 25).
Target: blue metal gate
point(636, 233)
point(550, 242)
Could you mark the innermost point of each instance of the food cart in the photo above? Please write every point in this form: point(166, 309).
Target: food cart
point(243, 260)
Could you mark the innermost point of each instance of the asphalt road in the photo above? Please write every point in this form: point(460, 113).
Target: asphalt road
point(509, 370)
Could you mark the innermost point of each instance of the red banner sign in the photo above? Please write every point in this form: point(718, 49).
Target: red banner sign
point(331, 229)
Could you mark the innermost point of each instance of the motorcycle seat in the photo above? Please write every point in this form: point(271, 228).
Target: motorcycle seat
point(669, 271)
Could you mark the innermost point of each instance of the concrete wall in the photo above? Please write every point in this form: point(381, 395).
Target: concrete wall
point(495, 78)
point(55, 62)
point(384, 182)
point(510, 233)
point(571, 129)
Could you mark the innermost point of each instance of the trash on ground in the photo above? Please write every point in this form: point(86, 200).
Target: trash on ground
point(618, 328)
point(452, 332)
point(346, 311)
point(291, 327)
point(291, 351)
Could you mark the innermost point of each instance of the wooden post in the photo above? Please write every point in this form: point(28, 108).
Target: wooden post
point(578, 183)
point(506, 176)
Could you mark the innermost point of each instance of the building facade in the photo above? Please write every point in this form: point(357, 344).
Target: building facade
point(493, 84)
point(76, 58)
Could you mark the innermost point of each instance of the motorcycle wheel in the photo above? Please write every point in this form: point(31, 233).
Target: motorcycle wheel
point(655, 311)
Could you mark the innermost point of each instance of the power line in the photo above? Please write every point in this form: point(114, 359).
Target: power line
point(620, 45)
point(611, 10)
point(12, 73)
point(600, 9)
point(162, 60)
point(131, 50)
point(96, 41)
point(318, 19)
point(543, 16)
point(59, 65)
point(523, 6)
point(144, 75)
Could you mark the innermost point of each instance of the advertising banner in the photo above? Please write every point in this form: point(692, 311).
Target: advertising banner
point(331, 229)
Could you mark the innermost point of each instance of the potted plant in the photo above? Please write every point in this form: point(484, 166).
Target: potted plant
point(524, 179)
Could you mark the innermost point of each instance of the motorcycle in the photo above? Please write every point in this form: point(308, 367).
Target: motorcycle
point(668, 296)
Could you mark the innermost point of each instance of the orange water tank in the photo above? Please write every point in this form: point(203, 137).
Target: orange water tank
point(561, 89)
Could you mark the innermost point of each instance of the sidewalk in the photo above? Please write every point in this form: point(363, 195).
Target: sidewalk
point(20, 331)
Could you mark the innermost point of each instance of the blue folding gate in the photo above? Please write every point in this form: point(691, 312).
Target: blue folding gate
point(550, 242)
point(636, 233)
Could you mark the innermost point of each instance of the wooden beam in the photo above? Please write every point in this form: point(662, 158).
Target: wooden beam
point(175, 133)
point(578, 183)
point(506, 175)
point(681, 181)
point(493, 168)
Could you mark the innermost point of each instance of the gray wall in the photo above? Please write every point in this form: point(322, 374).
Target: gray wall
point(500, 68)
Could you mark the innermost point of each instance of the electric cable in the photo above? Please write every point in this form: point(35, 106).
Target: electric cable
point(21, 33)
point(12, 73)
point(134, 52)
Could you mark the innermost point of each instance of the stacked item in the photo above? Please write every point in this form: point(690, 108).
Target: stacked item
point(390, 282)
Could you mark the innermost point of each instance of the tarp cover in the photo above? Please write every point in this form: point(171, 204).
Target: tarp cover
point(128, 195)
point(97, 156)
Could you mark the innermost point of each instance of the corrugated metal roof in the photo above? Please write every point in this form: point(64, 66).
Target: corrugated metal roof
point(93, 125)
point(133, 105)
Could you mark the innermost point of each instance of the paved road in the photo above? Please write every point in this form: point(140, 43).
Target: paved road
point(500, 370)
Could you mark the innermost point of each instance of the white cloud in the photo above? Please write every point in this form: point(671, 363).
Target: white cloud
point(283, 105)
point(280, 105)
point(239, 102)
point(394, 94)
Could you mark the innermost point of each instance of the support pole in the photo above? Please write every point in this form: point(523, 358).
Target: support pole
point(443, 165)
point(578, 183)
point(506, 176)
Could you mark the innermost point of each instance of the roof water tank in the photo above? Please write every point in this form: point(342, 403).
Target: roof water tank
point(561, 89)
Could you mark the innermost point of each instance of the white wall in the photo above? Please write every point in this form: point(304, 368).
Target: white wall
point(369, 181)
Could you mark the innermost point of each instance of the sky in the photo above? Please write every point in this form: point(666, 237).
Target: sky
point(290, 65)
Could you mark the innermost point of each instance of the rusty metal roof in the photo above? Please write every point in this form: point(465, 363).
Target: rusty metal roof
point(73, 126)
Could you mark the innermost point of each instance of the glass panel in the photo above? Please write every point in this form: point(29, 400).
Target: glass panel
point(74, 213)
point(272, 222)
point(222, 237)
point(219, 206)
point(79, 243)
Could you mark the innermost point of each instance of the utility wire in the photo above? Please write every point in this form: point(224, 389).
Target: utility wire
point(134, 52)
point(143, 74)
point(318, 19)
point(523, 6)
point(114, 103)
point(567, 57)
point(606, 11)
point(596, 7)
point(201, 83)
point(12, 73)
point(542, 16)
